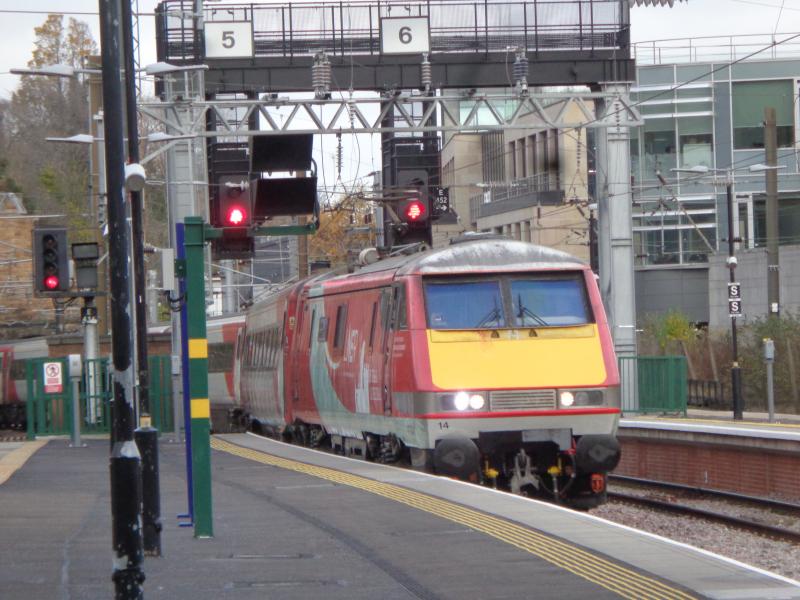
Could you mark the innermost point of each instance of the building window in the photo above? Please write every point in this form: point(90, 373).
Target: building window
point(512, 153)
point(673, 231)
point(750, 98)
point(659, 146)
point(696, 139)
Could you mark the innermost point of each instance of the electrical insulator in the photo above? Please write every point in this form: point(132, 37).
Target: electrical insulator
point(520, 71)
point(339, 153)
point(321, 76)
point(426, 75)
point(671, 3)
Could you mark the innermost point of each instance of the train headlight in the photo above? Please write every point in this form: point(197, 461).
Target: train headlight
point(576, 398)
point(461, 401)
point(476, 402)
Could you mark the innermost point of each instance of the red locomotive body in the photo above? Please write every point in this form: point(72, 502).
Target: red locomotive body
point(487, 360)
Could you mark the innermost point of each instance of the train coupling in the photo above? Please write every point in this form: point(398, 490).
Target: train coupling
point(522, 475)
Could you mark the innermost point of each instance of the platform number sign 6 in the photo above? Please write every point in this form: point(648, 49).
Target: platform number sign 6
point(229, 39)
point(405, 35)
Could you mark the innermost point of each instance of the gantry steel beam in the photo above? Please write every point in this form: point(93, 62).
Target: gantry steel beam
point(412, 114)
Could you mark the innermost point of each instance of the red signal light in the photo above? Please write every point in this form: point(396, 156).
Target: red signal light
point(236, 215)
point(415, 210)
point(51, 282)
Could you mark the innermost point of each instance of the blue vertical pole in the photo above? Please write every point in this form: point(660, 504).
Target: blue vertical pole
point(187, 423)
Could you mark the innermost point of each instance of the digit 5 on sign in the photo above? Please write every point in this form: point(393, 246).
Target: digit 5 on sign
point(228, 39)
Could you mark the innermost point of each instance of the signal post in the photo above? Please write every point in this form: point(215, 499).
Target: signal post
point(196, 234)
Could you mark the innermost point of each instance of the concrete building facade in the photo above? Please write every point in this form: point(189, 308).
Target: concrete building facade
point(710, 114)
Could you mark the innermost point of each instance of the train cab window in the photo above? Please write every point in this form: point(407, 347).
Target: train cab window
point(464, 305)
point(341, 322)
point(385, 297)
point(550, 301)
point(400, 303)
point(372, 324)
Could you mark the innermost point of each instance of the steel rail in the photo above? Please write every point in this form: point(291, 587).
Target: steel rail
point(682, 509)
point(768, 502)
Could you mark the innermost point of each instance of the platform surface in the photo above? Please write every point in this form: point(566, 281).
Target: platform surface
point(292, 523)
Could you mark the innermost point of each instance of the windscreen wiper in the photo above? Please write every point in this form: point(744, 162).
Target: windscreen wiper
point(494, 315)
point(525, 312)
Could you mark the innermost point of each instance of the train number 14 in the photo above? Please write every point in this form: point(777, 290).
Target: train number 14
point(444, 425)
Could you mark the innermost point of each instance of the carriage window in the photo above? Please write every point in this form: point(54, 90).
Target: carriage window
point(220, 357)
point(341, 321)
point(550, 301)
point(311, 327)
point(465, 305)
point(322, 333)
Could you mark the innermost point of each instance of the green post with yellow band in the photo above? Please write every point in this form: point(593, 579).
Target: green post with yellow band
point(200, 412)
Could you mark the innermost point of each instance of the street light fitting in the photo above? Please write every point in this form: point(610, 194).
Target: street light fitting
point(163, 68)
point(78, 138)
point(160, 136)
point(704, 170)
point(759, 168)
point(57, 70)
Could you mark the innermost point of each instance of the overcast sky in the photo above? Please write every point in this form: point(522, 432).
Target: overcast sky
point(694, 18)
point(688, 19)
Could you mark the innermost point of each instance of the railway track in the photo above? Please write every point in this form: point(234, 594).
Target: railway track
point(12, 435)
point(683, 506)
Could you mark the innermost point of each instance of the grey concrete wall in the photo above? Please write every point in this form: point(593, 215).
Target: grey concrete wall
point(661, 290)
point(751, 272)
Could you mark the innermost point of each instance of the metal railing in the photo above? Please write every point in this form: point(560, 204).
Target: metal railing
point(541, 188)
point(347, 28)
point(51, 413)
point(707, 394)
point(716, 48)
point(653, 384)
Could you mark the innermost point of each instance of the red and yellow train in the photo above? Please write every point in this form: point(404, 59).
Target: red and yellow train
point(489, 360)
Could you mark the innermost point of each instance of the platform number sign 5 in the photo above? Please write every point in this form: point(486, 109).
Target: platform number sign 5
point(405, 35)
point(229, 39)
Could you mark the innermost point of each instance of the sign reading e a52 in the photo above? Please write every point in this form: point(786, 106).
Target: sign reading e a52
point(405, 35)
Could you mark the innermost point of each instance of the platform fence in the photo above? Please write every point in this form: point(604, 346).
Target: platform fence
point(653, 384)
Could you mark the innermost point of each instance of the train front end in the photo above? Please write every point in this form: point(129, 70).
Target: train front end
point(525, 387)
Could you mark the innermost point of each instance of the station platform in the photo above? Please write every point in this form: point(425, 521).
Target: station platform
point(754, 429)
point(708, 449)
point(293, 523)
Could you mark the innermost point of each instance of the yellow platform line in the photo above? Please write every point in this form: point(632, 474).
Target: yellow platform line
point(609, 575)
point(14, 460)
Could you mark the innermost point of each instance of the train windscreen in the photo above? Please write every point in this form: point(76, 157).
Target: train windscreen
point(554, 302)
point(530, 300)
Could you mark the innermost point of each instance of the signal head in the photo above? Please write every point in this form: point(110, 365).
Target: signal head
point(236, 215)
point(415, 211)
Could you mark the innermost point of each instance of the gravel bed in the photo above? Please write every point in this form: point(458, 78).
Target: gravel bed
point(776, 556)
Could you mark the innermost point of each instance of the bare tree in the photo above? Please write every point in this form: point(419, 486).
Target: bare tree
point(53, 178)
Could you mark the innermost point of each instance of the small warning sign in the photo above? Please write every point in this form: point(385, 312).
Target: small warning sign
point(53, 380)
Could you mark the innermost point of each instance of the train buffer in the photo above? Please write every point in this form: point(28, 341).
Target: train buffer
point(295, 524)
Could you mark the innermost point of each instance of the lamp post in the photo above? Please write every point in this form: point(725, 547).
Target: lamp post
point(734, 298)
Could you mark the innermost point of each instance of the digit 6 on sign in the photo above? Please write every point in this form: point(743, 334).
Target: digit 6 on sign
point(405, 35)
